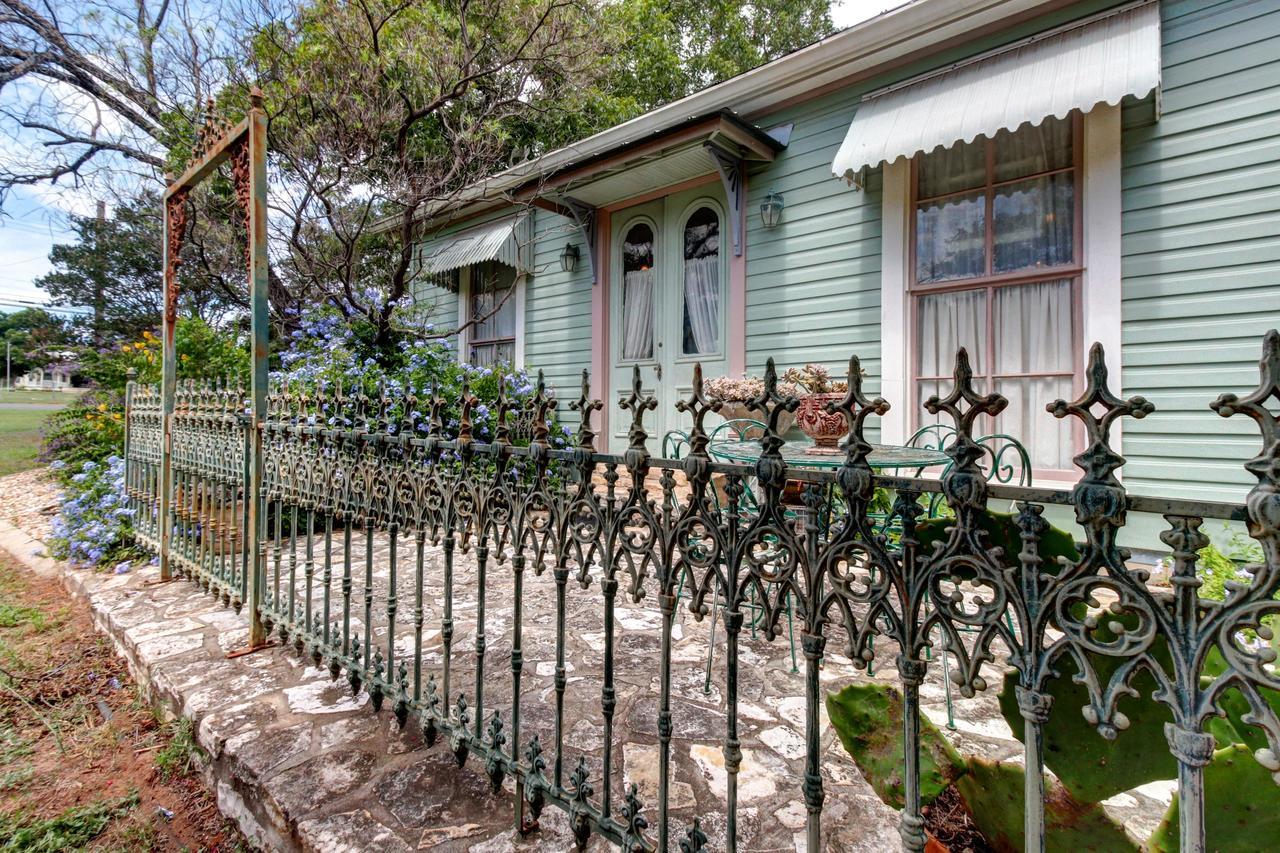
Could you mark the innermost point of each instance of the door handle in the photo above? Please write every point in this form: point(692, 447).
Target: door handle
point(659, 369)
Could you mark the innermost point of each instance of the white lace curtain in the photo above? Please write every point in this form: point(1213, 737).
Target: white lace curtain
point(702, 304)
point(637, 314)
point(1032, 335)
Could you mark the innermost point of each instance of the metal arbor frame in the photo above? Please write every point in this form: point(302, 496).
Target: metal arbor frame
point(245, 147)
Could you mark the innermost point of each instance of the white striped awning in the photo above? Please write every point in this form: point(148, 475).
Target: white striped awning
point(494, 241)
point(1075, 67)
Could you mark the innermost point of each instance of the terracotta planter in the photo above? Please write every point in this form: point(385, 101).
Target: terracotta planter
point(826, 429)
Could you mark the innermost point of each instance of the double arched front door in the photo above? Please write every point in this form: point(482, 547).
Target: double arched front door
point(669, 280)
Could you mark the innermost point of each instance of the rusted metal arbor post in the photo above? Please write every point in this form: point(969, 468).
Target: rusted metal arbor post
point(245, 147)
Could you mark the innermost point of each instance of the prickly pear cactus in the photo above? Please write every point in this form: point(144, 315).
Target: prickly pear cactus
point(1002, 531)
point(1241, 810)
point(868, 720)
point(993, 791)
point(1089, 766)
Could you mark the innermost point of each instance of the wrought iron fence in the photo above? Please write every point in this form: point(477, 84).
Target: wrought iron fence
point(357, 491)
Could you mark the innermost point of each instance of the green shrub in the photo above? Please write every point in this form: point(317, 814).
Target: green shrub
point(88, 430)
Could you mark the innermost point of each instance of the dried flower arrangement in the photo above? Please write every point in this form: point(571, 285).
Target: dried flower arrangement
point(740, 389)
point(815, 379)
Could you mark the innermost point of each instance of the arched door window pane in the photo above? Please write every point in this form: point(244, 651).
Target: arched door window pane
point(702, 283)
point(637, 293)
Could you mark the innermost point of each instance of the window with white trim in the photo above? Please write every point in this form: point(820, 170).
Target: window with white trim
point(491, 301)
point(995, 267)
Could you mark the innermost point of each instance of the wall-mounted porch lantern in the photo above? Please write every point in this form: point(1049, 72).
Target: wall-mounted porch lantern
point(569, 258)
point(771, 209)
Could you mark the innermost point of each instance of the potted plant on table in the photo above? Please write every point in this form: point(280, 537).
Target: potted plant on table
point(735, 394)
point(825, 428)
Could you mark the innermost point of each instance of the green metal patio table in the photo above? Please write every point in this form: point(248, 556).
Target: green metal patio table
point(802, 455)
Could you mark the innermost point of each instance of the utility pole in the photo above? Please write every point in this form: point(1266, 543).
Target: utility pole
point(99, 298)
point(8, 365)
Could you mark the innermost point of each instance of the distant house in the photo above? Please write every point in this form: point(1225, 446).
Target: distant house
point(1022, 177)
point(56, 376)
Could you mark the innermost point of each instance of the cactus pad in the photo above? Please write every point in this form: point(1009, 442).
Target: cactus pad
point(1241, 806)
point(994, 793)
point(868, 720)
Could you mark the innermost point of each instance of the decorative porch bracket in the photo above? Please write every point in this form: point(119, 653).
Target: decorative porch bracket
point(245, 147)
point(733, 173)
point(584, 216)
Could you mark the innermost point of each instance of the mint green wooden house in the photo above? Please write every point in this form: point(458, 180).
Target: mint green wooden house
point(1022, 178)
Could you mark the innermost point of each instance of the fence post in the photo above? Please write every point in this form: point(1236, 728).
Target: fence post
point(175, 223)
point(257, 238)
point(130, 379)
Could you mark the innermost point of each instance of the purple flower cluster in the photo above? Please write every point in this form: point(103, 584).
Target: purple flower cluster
point(93, 518)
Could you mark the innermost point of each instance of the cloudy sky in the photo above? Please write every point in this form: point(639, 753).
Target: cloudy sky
point(36, 217)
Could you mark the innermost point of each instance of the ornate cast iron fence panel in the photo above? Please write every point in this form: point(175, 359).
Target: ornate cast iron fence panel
point(355, 489)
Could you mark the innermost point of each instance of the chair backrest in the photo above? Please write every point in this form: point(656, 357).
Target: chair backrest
point(738, 429)
point(675, 444)
point(1005, 460)
point(932, 437)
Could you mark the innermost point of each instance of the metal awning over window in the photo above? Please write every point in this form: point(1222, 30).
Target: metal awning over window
point(1075, 67)
point(494, 241)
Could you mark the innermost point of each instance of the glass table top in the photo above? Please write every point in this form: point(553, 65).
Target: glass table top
point(804, 455)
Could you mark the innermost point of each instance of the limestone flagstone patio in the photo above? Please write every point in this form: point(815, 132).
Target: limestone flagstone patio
point(301, 763)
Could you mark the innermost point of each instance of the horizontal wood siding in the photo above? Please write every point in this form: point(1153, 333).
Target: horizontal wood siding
point(557, 322)
point(440, 306)
point(813, 282)
point(1201, 245)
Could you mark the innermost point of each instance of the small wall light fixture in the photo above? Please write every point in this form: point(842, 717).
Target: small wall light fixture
point(569, 258)
point(771, 209)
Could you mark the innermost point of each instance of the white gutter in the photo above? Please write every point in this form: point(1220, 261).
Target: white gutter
point(919, 26)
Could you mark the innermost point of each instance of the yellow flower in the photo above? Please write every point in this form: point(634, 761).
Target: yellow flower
point(146, 335)
point(102, 407)
point(124, 348)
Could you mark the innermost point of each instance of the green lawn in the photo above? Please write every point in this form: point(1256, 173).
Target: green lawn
point(20, 437)
point(56, 398)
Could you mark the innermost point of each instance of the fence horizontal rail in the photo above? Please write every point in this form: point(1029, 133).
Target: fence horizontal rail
point(369, 527)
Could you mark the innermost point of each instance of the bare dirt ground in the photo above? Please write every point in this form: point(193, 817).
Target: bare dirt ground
point(84, 762)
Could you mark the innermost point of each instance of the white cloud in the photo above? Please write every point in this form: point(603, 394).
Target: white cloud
point(846, 13)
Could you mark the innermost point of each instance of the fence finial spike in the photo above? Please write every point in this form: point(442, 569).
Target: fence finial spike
point(697, 405)
point(584, 406)
point(1262, 507)
point(544, 402)
point(502, 429)
point(773, 404)
point(1099, 461)
point(856, 408)
point(468, 401)
point(637, 403)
